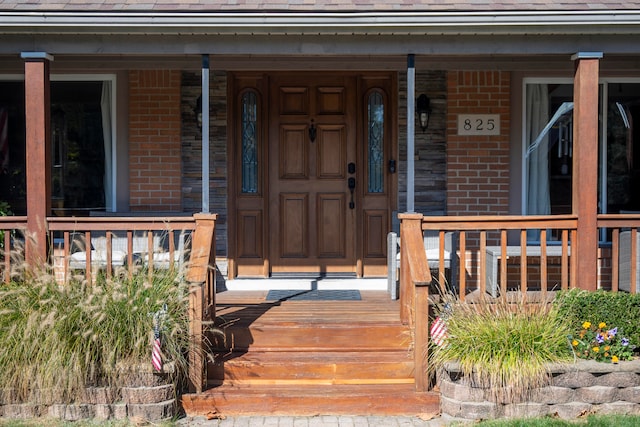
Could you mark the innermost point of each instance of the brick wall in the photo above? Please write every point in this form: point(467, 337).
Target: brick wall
point(154, 140)
point(478, 166)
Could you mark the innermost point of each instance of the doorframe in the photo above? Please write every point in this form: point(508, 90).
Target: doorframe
point(262, 82)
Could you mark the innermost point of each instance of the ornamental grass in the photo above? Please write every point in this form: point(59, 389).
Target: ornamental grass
point(504, 347)
point(62, 338)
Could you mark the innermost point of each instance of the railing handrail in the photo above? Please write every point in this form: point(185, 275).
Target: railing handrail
point(13, 222)
point(120, 223)
point(499, 222)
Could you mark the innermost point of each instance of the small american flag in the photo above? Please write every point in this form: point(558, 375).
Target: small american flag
point(156, 353)
point(439, 326)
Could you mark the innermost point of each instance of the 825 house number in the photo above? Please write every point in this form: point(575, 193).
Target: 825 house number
point(478, 124)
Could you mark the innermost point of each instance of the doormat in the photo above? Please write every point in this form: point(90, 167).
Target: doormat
point(313, 295)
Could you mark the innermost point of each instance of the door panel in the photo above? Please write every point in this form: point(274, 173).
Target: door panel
point(331, 225)
point(294, 224)
point(293, 153)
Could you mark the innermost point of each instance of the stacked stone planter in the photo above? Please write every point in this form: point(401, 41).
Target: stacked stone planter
point(146, 396)
point(576, 390)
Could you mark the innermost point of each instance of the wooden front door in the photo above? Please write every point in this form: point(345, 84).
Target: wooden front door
point(312, 142)
point(313, 161)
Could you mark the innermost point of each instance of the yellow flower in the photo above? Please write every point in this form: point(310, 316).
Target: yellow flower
point(596, 349)
point(586, 325)
point(614, 359)
point(574, 343)
point(607, 348)
point(602, 325)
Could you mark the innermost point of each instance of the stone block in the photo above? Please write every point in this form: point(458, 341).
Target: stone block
point(618, 408)
point(571, 410)
point(73, 412)
point(469, 410)
point(116, 411)
point(21, 411)
point(574, 379)
point(153, 411)
point(552, 395)
point(460, 392)
point(597, 394)
point(629, 394)
point(525, 410)
point(101, 395)
point(144, 395)
point(618, 379)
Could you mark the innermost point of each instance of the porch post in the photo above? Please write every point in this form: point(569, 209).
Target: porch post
point(585, 167)
point(38, 153)
point(411, 96)
point(205, 133)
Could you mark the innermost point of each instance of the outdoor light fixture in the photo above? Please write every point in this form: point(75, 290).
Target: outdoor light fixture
point(198, 112)
point(423, 111)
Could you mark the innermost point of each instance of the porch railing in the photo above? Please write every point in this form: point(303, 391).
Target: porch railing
point(12, 230)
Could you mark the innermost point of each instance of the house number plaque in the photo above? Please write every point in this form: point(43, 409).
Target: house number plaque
point(478, 124)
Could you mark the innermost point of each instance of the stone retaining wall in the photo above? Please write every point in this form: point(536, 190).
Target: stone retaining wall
point(576, 390)
point(146, 395)
point(149, 403)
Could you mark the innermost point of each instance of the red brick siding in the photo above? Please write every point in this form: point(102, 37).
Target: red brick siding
point(478, 166)
point(154, 140)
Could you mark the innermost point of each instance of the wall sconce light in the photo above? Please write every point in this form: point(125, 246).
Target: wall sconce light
point(198, 111)
point(423, 110)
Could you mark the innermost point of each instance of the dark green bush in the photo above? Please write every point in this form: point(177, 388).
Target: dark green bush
point(616, 309)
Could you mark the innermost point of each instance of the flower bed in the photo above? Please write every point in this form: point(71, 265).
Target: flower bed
point(577, 389)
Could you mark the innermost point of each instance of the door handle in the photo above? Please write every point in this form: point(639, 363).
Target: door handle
point(351, 182)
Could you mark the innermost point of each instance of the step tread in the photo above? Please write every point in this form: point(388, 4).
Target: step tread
point(369, 399)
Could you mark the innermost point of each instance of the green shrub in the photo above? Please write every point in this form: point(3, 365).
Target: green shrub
point(63, 338)
point(617, 309)
point(504, 347)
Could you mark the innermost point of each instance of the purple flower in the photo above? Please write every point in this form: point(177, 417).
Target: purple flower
point(613, 332)
point(625, 341)
point(600, 338)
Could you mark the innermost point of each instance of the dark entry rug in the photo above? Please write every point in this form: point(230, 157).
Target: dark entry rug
point(313, 295)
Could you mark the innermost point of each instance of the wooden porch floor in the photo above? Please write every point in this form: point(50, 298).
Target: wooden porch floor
point(310, 357)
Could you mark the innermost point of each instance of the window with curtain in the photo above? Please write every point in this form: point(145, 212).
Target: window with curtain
point(81, 146)
point(549, 142)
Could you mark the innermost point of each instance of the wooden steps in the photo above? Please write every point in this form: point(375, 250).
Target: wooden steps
point(319, 357)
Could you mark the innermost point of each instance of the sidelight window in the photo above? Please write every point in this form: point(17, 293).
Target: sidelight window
point(249, 105)
point(375, 143)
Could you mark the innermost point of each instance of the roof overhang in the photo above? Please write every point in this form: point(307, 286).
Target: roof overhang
point(606, 22)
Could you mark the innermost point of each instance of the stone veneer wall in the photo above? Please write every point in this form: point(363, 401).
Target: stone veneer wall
point(192, 150)
point(430, 159)
point(576, 390)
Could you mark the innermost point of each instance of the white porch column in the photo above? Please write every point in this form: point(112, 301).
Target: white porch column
point(205, 133)
point(411, 96)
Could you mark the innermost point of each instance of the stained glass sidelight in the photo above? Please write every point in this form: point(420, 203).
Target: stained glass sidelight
point(249, 143)
point(375, 142)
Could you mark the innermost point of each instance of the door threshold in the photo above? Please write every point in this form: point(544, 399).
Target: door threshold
point(302, 283)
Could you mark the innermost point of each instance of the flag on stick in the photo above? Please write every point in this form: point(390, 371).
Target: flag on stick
point(156, 354)
point(439, 326)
